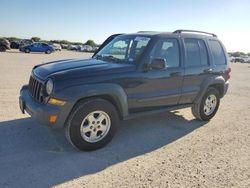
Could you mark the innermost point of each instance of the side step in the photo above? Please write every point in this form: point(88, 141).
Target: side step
point(138, 114)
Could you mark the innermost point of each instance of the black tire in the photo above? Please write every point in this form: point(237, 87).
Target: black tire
point(27, 50)
point(48, 52)
point(198, 108)
point(79, 113)
point(2, 49)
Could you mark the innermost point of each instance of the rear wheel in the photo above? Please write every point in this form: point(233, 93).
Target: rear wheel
point(208, 106)
point(48, 52)
point(91, 124)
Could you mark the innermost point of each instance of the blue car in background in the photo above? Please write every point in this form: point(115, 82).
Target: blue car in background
point(37, 47)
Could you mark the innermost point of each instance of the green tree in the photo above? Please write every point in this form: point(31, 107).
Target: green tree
point(13, 39)
point(236, 54)
point(90, 43)
point(35, 39)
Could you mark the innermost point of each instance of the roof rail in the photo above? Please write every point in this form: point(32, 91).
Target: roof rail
point(194, 31)
point(147, 32)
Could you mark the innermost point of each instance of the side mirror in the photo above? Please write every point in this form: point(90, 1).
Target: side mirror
point(158, 64)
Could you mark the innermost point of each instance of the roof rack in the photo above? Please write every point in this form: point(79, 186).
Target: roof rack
point(194, 31)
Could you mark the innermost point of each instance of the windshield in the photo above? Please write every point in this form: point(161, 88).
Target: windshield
point(124, 49)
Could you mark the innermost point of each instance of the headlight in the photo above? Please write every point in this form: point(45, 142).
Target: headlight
point(49, 86)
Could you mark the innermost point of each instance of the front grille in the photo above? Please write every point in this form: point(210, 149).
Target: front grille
point(35, 89)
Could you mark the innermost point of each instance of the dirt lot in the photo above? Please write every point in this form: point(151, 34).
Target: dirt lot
point(165, 150)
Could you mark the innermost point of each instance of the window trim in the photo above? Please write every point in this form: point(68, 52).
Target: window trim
point(208, 59)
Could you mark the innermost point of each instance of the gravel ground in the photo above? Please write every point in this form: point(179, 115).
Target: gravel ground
point(164, 150)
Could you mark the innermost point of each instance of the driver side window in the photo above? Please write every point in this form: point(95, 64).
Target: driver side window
point(167, 49)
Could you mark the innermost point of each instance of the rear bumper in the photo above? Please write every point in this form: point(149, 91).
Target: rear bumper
point(226, 88)
point(42, 112)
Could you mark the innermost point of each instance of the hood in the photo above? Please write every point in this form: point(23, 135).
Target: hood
point(76, 68)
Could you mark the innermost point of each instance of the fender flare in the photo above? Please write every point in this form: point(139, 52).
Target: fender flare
point(80, 92)
point(206, 84)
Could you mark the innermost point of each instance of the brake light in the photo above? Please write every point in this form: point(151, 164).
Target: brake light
point(228, 72)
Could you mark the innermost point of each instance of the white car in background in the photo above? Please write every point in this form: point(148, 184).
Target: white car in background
point(56, 46)
point(72, 47)
point(85, 48)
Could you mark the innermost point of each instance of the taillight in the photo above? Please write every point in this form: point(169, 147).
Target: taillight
point(228, 72)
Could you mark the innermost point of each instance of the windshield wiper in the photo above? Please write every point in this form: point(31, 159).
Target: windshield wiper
point(112, 57)
point(108, 57)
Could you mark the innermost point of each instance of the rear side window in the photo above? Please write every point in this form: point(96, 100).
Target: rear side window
point(217, 52)
point(196, 52)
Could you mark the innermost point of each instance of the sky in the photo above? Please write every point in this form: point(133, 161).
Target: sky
point(80, 20)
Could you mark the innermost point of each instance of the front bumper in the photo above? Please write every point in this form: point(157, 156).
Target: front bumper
point(42, 112)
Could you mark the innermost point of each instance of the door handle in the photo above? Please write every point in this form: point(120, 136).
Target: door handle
point(175, 74)
point(208, 71)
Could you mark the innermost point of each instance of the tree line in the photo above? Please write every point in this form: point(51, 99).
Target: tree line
point(238, 54)
point(37, 39)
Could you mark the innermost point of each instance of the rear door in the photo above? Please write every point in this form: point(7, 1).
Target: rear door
point(44, 47)
point(197, 68)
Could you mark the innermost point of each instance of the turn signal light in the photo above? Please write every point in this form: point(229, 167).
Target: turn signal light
point(56, 102)
point(52, 119)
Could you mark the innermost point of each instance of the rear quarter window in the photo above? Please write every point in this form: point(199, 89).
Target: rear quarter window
point(196, 52)
point(217, 51)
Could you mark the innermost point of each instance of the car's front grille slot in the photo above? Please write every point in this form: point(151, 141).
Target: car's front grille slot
point(35, 88)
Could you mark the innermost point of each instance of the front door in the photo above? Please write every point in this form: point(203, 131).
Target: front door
point(160, 88)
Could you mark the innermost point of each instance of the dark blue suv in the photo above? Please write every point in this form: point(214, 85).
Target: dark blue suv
point(129, 75)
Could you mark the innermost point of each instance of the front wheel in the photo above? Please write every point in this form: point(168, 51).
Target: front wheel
point(91, 124)
point(208, 106)
point(2, 49)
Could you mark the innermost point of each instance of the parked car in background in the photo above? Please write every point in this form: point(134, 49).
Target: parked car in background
point(239, 60)
point(232, 59)
point(56, 46)
point(72, 47)
point(64, 46)
point(4, 45)
point(37, 47)
point(85, 48)
point(14, 45)
point(246, 59)
point(25, 42)
point(95, 48)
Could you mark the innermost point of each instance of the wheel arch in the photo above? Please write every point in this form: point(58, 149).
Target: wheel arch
point(106, 97)
point(110, 92)
point(218, 82)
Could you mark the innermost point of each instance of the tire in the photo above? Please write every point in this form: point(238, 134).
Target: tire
point(208, 105)
point(83, 130)
point(48, 52)
point(2, 49)
point(27, 50)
